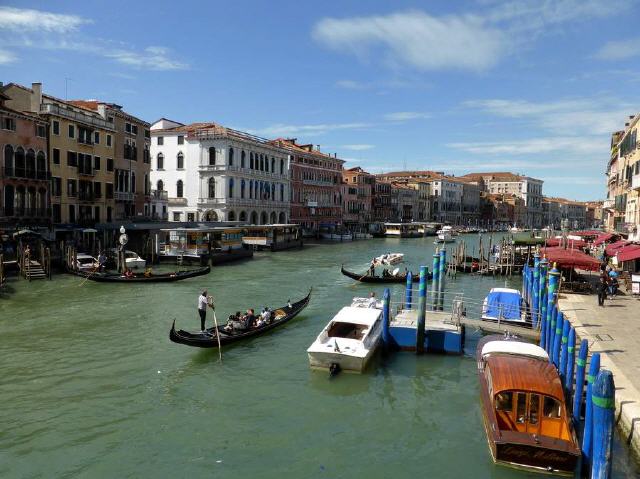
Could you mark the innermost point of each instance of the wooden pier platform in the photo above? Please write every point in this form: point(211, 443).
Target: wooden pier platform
point(492, 327)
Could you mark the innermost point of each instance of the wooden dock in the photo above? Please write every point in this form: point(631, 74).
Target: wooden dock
point(500, 328)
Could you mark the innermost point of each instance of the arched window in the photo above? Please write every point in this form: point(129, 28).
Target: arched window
point(282, 219)
point(266, 164)
point(212, 187)
point(243, 216)
point(230, 156)
point(41, 163)
point(261, 162)
point(231, 216)
point(251, 189)
point(8, 159)
point(281, 192)
point(212, 156)
point(180, 161)
point(251, 160)
point(243, 156)
point(19, 162)
point(273, 165)
point(160, 165)
point(160, 185)
point(180, 189)
point(273, 192)
point(230, 187)
point(242, 185)
point(31, 163)
point(281, 166)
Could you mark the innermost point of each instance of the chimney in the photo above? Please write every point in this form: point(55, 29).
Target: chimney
point(36, 97)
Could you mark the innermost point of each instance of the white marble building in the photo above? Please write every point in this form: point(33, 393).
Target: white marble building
point(213, 173)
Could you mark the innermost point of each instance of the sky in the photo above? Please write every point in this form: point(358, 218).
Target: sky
point(533, 87)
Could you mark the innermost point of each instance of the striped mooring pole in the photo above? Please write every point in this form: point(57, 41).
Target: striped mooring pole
point(564, 352)
point(604, 406)
point(557, 339)
point(552, 298)
point(443, 271)
point(407, 298)
point(542, 289)
point(581, 364)
point(435, 280)
point(422, 310)
point(386, 309)
point(536, 282)
point(571, 359)
point(587, 435)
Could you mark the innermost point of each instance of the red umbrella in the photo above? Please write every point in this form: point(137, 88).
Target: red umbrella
point(571, 258)
point(614, 247)
point(570, 243)
point(603, 238)
point(628, 252)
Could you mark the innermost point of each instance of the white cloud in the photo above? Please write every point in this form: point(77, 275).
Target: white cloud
point(280, 129)
point(474, 41)
point(533, 146)
point(358, 147)
point(417, 39)
point(151, 58)
point(351, 85)
point(22, 20)
point(619, 50)
point(406, 116)
point(6, 57)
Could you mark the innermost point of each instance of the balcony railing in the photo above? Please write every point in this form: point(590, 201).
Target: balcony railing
point(86, 196)
point(76, 116)
point(249, 171)
point(159, 194)
point(19, 212)
point(222, 202)
point(177, 202)
point(26, 173)
point(123, 195)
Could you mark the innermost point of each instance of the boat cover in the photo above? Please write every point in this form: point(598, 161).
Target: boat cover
point(514, 347)
point(503, 302)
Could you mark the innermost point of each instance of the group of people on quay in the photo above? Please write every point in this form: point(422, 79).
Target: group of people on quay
point(607, 283)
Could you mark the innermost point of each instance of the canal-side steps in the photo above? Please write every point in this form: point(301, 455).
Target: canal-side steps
point(33, 271)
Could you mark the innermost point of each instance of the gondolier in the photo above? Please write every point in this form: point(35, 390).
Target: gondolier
point(203, 302)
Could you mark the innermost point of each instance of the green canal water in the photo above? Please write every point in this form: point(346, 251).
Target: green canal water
point(91, 386)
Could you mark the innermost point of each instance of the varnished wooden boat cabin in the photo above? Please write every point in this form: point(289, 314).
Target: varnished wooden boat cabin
point(523, 407)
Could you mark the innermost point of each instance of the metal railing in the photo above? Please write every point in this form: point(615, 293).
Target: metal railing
point(26, 173)
point(19, 212)
point(54, 109)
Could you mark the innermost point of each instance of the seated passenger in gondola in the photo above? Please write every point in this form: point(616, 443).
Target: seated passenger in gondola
point(385, 273)
point(249, 319)
point(129, 274)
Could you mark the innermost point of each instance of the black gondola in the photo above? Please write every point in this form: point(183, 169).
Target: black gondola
point(365, 278)
point(142, 278)
point(208, 339)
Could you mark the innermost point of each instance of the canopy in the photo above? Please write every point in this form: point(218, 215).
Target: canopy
point(629, 252)
point(503, 303)
point(613, 248)
point(603, 238)
point(571, 258)
point(571, 243)
point(593, 233)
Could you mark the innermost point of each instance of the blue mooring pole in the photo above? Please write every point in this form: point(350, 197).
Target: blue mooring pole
point(422, 310)
point(443, 271)
point(564, 352)
point(535, 312)
point(552, 298)
point(571, 356)
point(435, 280)
point(525, 271)
point(557, 339)
point(604, 408)
point(542, 290)
point(386, 317)
point(587, 435)
point(581, 364)
point(407, 299)
point(551, 334)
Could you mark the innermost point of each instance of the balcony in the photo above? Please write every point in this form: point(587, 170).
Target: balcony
point(159, 195)
point(242, 202)
point(123, 196)
point(26, 173)
point(18, 212)
point(86, 171)
point(87, 196)
point(177, 202)
point(318, 183)
point(53, 109)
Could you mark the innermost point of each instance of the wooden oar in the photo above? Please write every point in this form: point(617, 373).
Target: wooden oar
point(89, 275)
point(215, 321)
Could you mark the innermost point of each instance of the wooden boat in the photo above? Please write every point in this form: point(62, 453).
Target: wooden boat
point(349, 340)
point(208, 338)
point(523, 407)
point(142, 278)
point(365, 278)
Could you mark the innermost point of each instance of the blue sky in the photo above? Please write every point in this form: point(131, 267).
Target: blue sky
point(533, 87)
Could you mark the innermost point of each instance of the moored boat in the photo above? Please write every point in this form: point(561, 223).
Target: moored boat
point(445, 235)
point(349, 340)
point(504, 305)
point(391, 278)
point(389, 258)
point(209, 338)
point(523, 407)
point(143, 277)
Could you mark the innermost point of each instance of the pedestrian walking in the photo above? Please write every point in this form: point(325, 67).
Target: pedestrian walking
point(602, 290)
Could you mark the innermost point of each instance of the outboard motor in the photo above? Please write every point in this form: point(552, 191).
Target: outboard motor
point(334, 370)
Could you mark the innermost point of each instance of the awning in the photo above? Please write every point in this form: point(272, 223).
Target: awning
point(593, 233)
point(629, 253)
point(613, 248)
point(571, 243)
point(603, 238)
point(571, 258)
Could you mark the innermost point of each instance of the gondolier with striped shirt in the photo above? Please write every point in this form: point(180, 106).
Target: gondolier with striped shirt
point(203, 302)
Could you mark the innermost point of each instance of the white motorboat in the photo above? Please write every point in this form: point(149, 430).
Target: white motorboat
point(389, 258)
point(86, 263)
point(504, 305)
point(350, 339)
point(445, 235)
point(336, 236)
point(131, 258)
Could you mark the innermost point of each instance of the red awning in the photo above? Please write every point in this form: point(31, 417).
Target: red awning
point(593, 233)
point(629, 252)
point(571, 258)
point(614, 247)
point(603, 238)
point(570, 243)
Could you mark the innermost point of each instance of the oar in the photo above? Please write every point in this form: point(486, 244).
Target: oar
point(89, 275)
point(215, 321)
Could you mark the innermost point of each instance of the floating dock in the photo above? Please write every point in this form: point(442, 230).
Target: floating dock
point(442, 335)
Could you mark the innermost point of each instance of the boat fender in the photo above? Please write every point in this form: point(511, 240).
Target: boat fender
point(334, 370)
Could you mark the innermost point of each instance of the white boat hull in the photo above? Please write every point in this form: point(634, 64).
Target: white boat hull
point(135, 263)
point(357, 364)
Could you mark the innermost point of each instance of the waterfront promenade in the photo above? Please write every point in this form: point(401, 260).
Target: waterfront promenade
point(614, 332)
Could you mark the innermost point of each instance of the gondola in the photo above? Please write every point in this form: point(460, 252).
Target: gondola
point(365, 278)
point(141, 278)
point(208, 339)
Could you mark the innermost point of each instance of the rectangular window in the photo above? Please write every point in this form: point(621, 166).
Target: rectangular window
point(191, 216)
point(56, 156)
point(56, 186)
point(108, 140)
point(96, 162)
point(72, 158)
point(180, 140)
point(134, 129)
point(9, 124)
point(72, 131)
point(57, 215)
point(147, 133)
point(160, 140)
point(97, 189)
point(72, 213)
point(72, 188)
point(176, 216)
point(41, 131)
point(127, 127)
point(108, 191)
point(109, 164)
point(96, 137)
point(55, 126)
point(96, 213)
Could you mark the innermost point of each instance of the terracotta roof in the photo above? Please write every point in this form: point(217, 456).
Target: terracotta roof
point(509, 372)
point(290, 144)
point(87, 104)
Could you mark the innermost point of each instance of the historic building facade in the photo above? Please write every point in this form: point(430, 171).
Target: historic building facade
point(214, 173)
